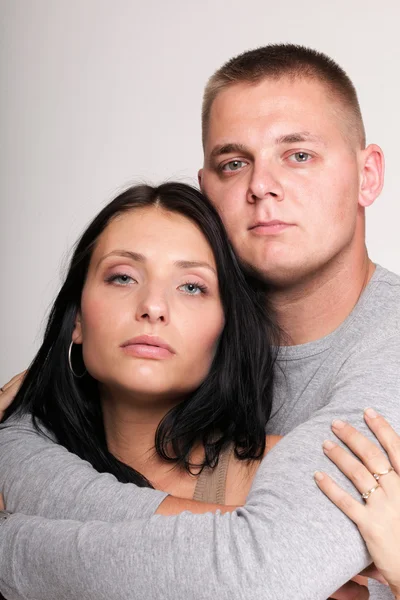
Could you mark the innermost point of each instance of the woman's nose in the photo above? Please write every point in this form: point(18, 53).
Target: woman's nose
point(153, 307)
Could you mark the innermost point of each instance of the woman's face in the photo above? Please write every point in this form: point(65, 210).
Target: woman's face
point(151, 314)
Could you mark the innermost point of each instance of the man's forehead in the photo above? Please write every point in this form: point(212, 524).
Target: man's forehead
point(271, 91)
point(287, 111)
point(291, 83)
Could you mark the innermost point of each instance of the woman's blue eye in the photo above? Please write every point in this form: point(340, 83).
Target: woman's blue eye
point(300, 157)
point(233, 165)
point(120, 279)
point(193, 289)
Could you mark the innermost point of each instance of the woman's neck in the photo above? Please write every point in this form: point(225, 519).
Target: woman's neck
point(130, 432)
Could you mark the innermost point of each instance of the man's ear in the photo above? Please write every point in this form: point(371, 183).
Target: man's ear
point(77, 336)
point(200, 177)
point(372, 174)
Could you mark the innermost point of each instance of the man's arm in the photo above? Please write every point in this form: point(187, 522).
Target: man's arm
point(287, 542)
point(39, 477)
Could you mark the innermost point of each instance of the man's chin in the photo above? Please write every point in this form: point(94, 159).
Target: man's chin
point(268, 277)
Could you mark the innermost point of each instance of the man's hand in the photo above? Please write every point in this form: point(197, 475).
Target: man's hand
point(8, 392)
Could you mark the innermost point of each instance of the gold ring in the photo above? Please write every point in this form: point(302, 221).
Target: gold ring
point(366, 495)
point(378, 475)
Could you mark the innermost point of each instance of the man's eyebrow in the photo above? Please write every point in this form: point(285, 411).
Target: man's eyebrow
point(222, 149)
point(301, 136)
point(190, 264)
point(123, 254)
point(289, 138)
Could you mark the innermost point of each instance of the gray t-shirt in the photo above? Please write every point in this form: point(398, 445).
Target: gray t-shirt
point(95, 538)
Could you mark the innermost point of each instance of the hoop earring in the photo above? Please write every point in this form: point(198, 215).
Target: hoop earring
point(70, 363)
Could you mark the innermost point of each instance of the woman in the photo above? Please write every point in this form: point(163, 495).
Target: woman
point(148, 388)
point(144, 364)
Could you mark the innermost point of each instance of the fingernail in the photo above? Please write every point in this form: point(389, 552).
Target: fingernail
point(338, 424)
point(371, 413)
point(318, 476)
point(328, 445)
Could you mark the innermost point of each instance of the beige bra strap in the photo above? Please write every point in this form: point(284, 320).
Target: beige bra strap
point(211, 483)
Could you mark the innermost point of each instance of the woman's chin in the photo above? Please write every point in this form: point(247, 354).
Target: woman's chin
point(142, 394)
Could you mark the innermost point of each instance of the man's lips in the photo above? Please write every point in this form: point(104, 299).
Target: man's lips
point(269, 227)
point(148, 346)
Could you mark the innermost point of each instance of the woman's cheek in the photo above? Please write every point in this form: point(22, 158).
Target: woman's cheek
point(101, 333)
point(208, 337)
point(100, 315)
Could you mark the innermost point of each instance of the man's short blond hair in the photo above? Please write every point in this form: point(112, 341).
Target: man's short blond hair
point(286, 60)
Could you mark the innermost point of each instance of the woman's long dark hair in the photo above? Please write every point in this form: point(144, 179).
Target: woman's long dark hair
point(233, 404)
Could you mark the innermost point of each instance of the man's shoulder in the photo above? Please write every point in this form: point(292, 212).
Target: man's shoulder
point(377, 315)
point(385, 283)
point(370, 336)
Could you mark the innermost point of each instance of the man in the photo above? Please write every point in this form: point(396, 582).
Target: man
point(286, 164)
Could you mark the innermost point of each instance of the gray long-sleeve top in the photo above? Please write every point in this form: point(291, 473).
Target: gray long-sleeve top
point(95, 538)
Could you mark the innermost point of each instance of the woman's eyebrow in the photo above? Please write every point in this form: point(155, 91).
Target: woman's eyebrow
point(136, 256)
point(190, 264)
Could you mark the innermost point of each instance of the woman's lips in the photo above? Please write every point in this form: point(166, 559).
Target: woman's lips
point(146, 346)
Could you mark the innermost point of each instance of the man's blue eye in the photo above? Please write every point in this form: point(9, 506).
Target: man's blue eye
point(300, 157)
point(233, 165)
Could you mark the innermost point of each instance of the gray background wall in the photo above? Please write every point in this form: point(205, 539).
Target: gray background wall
point(98, 93)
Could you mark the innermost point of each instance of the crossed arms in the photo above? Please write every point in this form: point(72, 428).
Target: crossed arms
point(287, 541)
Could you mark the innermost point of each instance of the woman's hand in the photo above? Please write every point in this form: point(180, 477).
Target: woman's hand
point(8, 392)
point(377, 516)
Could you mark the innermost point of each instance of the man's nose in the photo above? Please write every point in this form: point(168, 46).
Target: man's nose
point(153, 306)
point(264, 183)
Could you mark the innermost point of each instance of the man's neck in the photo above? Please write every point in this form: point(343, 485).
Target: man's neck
point(313, 309)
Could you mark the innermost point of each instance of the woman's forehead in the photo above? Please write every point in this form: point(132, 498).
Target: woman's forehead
point(154, 231)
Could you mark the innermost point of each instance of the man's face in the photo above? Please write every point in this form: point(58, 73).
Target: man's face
point(284, 176)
